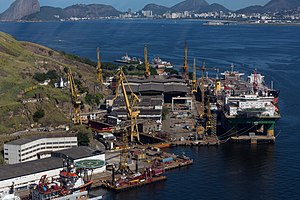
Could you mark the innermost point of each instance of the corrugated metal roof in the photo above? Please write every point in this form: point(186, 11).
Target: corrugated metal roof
point(76, 152)
point(46, 164)
point(31, 167)
point(33, 138)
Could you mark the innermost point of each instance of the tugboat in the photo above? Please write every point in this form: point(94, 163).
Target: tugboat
point(72, 184)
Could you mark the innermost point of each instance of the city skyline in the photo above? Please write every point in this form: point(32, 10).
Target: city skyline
point(136, 5)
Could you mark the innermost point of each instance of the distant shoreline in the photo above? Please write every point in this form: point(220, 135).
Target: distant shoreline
point(151, 19)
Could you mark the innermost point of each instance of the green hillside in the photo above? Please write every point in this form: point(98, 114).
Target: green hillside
point(22, 66)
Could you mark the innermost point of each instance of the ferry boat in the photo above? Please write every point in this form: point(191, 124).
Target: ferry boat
point(161, 64)
point(129, 60)
point(72, 184)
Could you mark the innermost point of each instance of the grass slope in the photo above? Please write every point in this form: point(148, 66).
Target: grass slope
point(19, 61)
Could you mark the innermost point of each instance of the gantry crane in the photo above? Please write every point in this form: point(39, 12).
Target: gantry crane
point(99, 68)
point(75, 98)
point(131, 104)
point(147, 70)
point(185, 67)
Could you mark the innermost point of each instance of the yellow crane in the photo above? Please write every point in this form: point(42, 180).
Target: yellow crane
point(130, 103)
point(99, 68)
point(211, 118)
point(75, 98)
point(194, 81)
point(147, 70)
point(185, 67)
point(202, 91)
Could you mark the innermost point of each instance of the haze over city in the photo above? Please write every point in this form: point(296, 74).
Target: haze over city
point(135, 5)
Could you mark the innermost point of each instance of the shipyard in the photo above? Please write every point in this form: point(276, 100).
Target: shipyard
point(140, 119)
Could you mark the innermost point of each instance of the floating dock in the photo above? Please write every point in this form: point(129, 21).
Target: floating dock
point(133, 184)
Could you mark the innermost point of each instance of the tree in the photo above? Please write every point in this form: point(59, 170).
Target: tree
point(141, 67)
point(153, 71)
point(40, 113)
point(40, 77)
point(171, 71)
point(83, 139)
point(52, 75)
point(131, 68)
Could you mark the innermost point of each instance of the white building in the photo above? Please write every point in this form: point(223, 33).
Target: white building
point(24, 174)
point(33, 148)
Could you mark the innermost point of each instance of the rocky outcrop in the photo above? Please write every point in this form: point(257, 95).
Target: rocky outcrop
point(189, 5)
point(279, 5)
point(20, 9)
point(91, 10)
point(156, 9)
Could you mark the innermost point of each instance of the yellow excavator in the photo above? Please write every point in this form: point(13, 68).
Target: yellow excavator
point(75, 99)
point(130, 103)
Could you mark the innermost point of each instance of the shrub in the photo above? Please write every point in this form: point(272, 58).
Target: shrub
point(40, 113)
point(83, 139)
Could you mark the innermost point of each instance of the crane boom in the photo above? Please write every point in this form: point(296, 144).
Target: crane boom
point(194, 81)
point(147, 70)
point(131, 105)
point(99, 68)
point(185, 67)
point(75, 98)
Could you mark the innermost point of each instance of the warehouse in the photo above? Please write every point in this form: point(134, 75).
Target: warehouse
point(24, 174)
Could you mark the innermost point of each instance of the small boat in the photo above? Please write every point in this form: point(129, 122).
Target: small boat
point(161, 64)
point(72, 184)
point(129, 60)
point(213, 23)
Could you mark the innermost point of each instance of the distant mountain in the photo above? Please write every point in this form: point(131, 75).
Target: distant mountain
point(251, 9)
point(92, 10)
point(19, 9)
point(189, 5)
point(156, 9)
point(271, 6)
point(47, 13)
point(214, 8)
point(279, 5)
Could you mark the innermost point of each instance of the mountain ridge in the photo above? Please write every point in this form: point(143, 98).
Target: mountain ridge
point(19, 9)
point(33, 11)
point(189, 5)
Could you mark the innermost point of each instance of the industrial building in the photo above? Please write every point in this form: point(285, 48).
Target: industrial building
point(36, 147)
point(24, 174)
point(161, 85)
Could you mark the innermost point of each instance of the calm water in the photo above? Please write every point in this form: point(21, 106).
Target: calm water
point(228, 171)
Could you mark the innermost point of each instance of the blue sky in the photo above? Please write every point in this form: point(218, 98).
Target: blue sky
point(136, 5)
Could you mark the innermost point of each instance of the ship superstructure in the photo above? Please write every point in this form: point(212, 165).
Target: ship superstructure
point(247, 109)
point(73, 183)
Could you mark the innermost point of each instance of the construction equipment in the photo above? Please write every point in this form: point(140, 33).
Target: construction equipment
point(203, 69)
point(99, 68)
point(131, 104)
point(194, 81)
point(147, 70)
point(185, 67)
point(210, 119)
point(75, 99)
point(123, 164)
